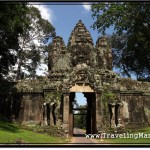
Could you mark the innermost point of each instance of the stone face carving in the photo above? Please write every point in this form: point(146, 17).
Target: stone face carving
point(80, 61)
point(104, 54)
point(80, 35)
point(80, 54)
point(57, 50)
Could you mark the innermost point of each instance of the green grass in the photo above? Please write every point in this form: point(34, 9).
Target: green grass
point(10, 133)
point(131, 140)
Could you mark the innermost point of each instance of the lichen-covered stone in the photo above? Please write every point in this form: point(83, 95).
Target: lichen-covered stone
point(80, 35)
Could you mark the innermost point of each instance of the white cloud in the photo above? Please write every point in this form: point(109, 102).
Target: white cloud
point(42, 70)
point(46, 13)
point(86, 6)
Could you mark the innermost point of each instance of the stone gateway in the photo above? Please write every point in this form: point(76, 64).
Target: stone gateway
point(80, 66)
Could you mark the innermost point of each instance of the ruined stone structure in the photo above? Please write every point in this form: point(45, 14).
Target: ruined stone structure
point(82, 67)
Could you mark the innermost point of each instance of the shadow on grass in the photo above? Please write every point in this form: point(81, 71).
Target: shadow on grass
point(9, 127)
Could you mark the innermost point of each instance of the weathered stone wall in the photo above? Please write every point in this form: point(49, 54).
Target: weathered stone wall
point(31, 108)
point(146, 104)
point(136, 109)
point(135, 96)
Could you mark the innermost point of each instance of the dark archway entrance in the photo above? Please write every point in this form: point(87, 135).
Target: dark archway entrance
point(90, 112)
point(79, 115)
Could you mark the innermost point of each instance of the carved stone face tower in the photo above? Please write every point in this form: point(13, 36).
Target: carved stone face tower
point(104, 53)
point(80, 67)
point(80, 61)
point(80, 35)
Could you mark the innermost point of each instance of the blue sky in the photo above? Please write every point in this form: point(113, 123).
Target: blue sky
point(64, 18)
point(81, 100)
point(68, 16)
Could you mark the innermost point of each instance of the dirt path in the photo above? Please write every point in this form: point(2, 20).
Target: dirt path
point(79, 137)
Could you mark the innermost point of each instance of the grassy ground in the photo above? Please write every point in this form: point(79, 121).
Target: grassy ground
point(12, 133)
point(131, 140)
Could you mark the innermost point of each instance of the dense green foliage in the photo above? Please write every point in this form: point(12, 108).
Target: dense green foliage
point(12, 18)
point(24, 35)
point(80, 120)
point(33, 52)
point(108, 96)
point(130, 39)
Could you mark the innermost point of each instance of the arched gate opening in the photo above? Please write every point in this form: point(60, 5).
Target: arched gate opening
point(92, 114)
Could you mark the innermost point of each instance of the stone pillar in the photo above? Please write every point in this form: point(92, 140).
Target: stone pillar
point(120, 116)
point(98, 112)
point(45, 114)
point(48, 113)
point(66, 112)
point(113, 116)
point(51, 116)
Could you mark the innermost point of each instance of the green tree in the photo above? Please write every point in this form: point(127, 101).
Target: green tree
point(130, 39)
point(12, 18)
point(80, 120)
point(33, 52)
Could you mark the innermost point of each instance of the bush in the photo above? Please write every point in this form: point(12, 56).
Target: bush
point(49, 130)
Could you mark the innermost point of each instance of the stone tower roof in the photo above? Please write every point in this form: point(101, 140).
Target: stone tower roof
point(80, 35)
point(102, 42)
point(58, 49)
point(58, 44)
